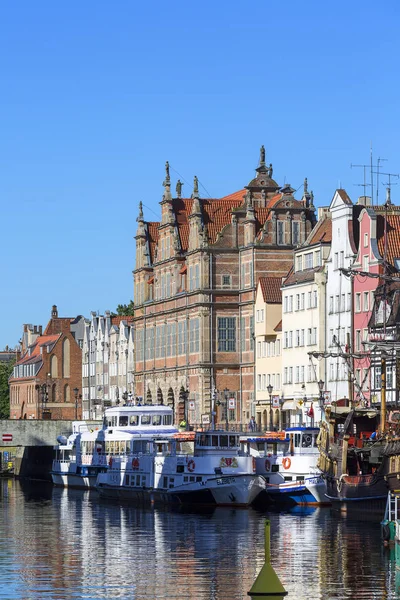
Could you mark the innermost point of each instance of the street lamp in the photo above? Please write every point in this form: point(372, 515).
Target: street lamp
point(269, 390)
point(321, 385)
point(226, 396)
point(76, 392)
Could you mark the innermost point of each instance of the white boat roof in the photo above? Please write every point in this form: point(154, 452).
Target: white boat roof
point(145, 409)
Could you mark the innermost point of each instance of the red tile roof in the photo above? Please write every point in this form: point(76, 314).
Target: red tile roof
point(322, 232)
point(392, 236)
point(153, 237)
point(116, 320)
point(279, 326)
point(343, 194)
point(271, 289)
point(33, 353)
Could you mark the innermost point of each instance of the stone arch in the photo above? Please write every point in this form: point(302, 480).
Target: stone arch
point(66, 358)
point(53, 366)
point(66, 393)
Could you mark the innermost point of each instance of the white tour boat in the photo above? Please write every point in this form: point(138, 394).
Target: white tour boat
point(88, 452)
point(288, 462)
point(155, 470)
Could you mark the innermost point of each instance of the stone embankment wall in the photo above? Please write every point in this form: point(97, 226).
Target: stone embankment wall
point(30, 444)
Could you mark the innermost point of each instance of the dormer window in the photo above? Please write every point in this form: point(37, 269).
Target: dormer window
point(308, 260)
point(299, 263)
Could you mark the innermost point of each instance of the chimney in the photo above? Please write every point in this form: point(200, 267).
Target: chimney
point(54, 312)
point(364, 201)
point(40, 330)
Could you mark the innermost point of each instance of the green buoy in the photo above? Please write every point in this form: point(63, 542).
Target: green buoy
point(267, 584)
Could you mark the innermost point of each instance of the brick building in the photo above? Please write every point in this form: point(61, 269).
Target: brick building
point(194, 287)
point(44, 378)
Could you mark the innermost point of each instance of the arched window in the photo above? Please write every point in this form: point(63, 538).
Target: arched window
point(66, 393)
point(53, 393)
point(66, 358)
point(53, 367)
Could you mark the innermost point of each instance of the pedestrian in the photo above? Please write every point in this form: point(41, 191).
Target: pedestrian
point(252, 424)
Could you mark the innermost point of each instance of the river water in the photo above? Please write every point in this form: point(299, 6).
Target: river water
point(67, 544)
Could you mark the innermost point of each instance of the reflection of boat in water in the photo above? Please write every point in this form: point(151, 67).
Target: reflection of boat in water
point(86, 453)
point(155, 470)
point(352, 459)
point(288, 461)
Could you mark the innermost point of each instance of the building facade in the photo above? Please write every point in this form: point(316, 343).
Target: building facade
point(46, 380)
point(268, 340)
point(194, 291)
point(107, 363)
point(303, 326)
point(339, 310)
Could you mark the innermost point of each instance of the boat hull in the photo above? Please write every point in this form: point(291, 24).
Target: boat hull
point(237, 490)
point(301, 493)
point(72, 480)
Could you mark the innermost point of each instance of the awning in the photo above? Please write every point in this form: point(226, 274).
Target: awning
point(289, 405)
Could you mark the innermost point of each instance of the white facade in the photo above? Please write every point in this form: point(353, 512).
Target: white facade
point(339, 295)
point(107, 363)
point(303, 328)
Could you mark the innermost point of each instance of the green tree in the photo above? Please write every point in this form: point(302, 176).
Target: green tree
point(126, 310)
point(5, 372)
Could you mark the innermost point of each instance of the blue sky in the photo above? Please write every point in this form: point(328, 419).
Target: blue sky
point(96, 96)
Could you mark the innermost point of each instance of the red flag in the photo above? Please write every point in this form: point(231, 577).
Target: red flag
point(310, 412)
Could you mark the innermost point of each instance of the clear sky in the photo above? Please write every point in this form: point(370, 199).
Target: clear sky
point(95, 96)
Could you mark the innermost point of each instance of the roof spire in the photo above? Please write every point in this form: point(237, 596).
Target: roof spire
point(167, 183)
point(140, 215)
point(305, 185)
point(388, 199)
point(167, 180)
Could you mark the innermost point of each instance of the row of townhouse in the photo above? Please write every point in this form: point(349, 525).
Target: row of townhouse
point(73, 369)
point(321, 339)
point(242, 307)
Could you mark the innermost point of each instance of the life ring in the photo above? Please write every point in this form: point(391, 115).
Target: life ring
point(286, 463)
point(110, 462)
point(267, 465)
point(135, 463)
point(191, 465)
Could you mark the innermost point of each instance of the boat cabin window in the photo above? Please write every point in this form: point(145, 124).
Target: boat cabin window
point(233, 441)
point(140, 446)
point(297, 438)
point(123, 420)
point(110, 421)
point(145, 419)
point(156, 420)
point(134, 420)
point(223, 441)
point(167, 419)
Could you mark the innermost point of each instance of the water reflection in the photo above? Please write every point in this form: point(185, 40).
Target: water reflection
point(65, 544)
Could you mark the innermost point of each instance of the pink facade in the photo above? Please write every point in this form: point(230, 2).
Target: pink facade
point(369, 260)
